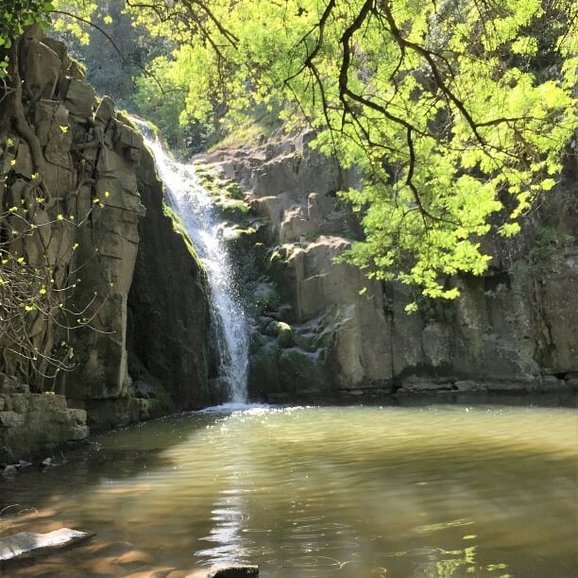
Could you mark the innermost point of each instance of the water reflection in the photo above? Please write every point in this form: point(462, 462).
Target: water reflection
point(323, 492)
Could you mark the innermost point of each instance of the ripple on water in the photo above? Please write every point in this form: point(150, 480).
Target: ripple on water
point(321, 492)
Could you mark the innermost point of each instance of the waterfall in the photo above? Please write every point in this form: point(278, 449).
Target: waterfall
point(193, 203)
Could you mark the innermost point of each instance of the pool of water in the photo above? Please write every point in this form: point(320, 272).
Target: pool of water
point(351, 492)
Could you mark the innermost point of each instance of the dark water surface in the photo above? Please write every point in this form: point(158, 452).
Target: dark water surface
point(352, 492)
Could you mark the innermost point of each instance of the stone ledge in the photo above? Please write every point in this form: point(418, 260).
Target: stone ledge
point(35, 422)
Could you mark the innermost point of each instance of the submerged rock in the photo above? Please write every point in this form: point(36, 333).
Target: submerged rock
point(27, 544)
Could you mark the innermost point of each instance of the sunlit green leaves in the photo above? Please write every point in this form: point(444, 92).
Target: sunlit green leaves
point(456, 113)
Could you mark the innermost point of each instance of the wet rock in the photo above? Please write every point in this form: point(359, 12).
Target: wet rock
point(169, 316)
point(26, 544)
point(226, 571)
point(10, 471)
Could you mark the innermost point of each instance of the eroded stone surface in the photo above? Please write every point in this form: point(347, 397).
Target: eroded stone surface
point(75, 175)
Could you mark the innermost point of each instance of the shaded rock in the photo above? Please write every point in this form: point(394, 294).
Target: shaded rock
point(41, 68)
point(415, 384)
point(168, 303)
point(301, 372)
point(264, 374)
point(265, 297)
point(559, 351)
point(293, 188)
point(75, 174)
point(511, 330)
point(80, 98)
point(11, 419)
point(31, 422)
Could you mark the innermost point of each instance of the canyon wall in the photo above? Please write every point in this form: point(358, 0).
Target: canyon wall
point(322, 328)
point(114, 326)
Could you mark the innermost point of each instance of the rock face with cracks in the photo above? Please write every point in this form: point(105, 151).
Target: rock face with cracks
point(322, 328)
point(82, 200)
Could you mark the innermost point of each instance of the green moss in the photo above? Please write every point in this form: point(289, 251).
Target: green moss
point(228, 205)
point(228, 197)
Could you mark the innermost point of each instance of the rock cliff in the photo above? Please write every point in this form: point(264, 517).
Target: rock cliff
point(323, 328)
point(113, 315)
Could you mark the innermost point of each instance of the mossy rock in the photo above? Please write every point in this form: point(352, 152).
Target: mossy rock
point(265, 297)
point(180, 229)
point(225, 192)
point(234, 233)
point(233, 190)
point(302, 372)
point(230, 208)
point(282, 331)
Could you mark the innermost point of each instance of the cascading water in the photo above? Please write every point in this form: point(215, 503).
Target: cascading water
point(193, 203)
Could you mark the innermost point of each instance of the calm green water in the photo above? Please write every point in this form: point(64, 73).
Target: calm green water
point(354, 492)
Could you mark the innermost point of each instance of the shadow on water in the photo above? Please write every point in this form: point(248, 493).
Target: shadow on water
point(39, 499)
point(567, 399)
point(112, 456)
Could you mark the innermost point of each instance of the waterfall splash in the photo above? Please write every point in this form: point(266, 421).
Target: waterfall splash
point(193, 203)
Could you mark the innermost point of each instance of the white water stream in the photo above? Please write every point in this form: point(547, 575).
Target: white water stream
point(193, 203)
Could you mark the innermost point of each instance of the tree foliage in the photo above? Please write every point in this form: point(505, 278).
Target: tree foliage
point(34, 296)
point(456, 112)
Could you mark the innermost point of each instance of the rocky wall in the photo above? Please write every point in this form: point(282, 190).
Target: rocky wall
point(33, 422)
point(70, 180)
point(168, 305)
point(75, 181)
point(323, 328)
